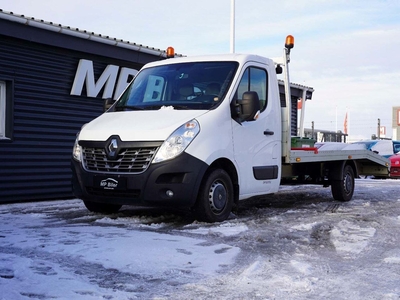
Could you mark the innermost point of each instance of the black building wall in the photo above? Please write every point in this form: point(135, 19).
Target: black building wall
point(39, 67)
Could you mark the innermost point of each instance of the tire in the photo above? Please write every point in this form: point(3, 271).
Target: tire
point(343, 190)
point(215, 200)
point(104, 208)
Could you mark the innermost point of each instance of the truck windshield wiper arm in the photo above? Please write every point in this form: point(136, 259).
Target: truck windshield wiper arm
point(129, 107)
point(148, 107)
point(180, 106)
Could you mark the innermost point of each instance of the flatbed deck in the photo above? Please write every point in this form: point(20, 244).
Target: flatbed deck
point(367, 162)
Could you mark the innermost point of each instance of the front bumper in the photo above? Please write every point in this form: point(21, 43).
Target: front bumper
point(174, 182)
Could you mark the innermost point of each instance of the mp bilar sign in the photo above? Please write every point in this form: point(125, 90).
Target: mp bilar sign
point(114, 79)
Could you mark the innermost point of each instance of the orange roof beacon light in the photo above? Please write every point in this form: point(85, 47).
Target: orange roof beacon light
point(289, 42)
point(170, 52)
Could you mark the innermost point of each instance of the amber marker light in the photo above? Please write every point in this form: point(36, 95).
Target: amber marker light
point(349, 157)
point(298, 159)
point(170, 52)
point(289, 42)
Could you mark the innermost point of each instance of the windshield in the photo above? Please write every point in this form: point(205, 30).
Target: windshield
point(195, 85)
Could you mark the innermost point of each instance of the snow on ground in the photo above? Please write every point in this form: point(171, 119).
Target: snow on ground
point(297, 244)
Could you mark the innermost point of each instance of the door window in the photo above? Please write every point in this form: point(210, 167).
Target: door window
point(255, 80)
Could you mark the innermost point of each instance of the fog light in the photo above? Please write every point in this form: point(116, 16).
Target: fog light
point(169, 193)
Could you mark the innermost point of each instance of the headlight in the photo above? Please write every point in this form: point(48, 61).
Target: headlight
point(77, 151)
point(178, 141)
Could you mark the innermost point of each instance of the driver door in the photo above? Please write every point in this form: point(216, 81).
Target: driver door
point(257, 143)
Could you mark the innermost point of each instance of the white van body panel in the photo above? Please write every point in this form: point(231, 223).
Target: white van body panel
point(214, 140)
point(153, 125)
point(253, 148)
point(245, 144)
point(240, 58)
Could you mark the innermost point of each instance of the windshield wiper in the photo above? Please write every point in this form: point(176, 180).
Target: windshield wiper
point(148, 107)
point(180, 106)
point(129, 107)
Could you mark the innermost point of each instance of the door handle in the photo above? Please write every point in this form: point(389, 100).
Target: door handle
point(268, 132)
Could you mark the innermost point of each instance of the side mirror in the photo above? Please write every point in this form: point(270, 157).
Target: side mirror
point(278, 69)
point(107, 104)
point(247, 108)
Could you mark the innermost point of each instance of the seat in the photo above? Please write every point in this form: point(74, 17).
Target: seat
point(185, 91)
point(213, 89)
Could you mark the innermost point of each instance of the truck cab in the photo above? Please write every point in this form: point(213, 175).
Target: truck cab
point(199, 132)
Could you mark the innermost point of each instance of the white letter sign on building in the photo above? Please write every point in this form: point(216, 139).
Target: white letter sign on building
point(85, 75)
point(123, 80)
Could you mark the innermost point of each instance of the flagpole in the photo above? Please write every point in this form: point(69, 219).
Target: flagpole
point(348, 121)
point(232, 42)
point(336, 119)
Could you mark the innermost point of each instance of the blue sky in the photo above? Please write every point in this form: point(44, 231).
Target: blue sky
point(346, 50)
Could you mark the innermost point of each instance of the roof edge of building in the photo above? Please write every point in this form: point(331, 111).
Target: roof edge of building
point(83, 34)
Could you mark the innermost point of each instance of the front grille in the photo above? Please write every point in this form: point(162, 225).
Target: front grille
point(129, 160)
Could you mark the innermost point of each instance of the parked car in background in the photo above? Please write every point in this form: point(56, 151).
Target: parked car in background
point(395, 166)
point(386, 148)
point(396, 147)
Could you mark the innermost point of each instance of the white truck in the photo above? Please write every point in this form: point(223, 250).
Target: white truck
point(203, 133)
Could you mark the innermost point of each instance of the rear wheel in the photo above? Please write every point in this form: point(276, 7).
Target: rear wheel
point(215, 199)
point(105, 208)
point(343, 189)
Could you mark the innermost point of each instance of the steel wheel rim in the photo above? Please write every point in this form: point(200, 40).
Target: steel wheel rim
point(348, 184)
point(217, 196)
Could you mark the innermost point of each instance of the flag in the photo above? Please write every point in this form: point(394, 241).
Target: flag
point(299, 103)
point(345, 124)
point(382, 131)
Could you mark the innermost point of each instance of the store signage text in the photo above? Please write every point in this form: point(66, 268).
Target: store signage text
point(108, 79)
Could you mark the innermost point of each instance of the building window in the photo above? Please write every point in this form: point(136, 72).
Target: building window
point(3, 108)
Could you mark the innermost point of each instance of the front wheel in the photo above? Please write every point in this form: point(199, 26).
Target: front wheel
point(215, 199)
point(105, 208)
point(342, 190)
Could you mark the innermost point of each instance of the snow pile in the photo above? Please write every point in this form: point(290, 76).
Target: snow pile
point(351, 238)
point(298, 244)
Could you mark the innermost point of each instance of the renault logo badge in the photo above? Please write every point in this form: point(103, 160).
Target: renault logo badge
point(112, 148)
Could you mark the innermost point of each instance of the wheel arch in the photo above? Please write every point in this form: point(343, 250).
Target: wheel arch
point(336, 169)
point(229, 167)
